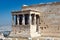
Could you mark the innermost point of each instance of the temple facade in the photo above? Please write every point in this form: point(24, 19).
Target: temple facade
point(26, 23)
point(36, 22)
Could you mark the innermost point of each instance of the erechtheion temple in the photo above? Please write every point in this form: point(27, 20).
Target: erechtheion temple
point(36, 22)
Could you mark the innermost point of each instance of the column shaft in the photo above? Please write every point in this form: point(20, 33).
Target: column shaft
point(30, 19)
point(35, 19)
point(23, 20)
point(17, 20)
point(13, 20)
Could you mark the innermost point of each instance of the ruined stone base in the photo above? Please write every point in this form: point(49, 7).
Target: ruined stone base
point(35, 38)
point(36, 34)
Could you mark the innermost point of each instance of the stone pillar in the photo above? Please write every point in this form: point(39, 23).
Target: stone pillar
point(18, 20)
point(35, 19)
point(23, 19)
point(13, 20)
point(30, 19)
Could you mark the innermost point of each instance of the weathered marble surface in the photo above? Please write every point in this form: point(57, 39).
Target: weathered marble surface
point(50, 17)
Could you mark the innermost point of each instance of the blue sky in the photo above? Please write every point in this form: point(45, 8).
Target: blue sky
point(6, 6)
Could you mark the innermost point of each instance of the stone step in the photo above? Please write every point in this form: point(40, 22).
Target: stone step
point(35, 34)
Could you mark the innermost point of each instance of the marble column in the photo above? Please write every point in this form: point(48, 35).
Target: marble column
point(23, 20)
point(30, 19)
point(13, 20)
point(18, 20)
point(35, 19)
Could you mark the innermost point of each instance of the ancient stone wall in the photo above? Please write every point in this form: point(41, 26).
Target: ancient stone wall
point(50, 17)
point(21, 30)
